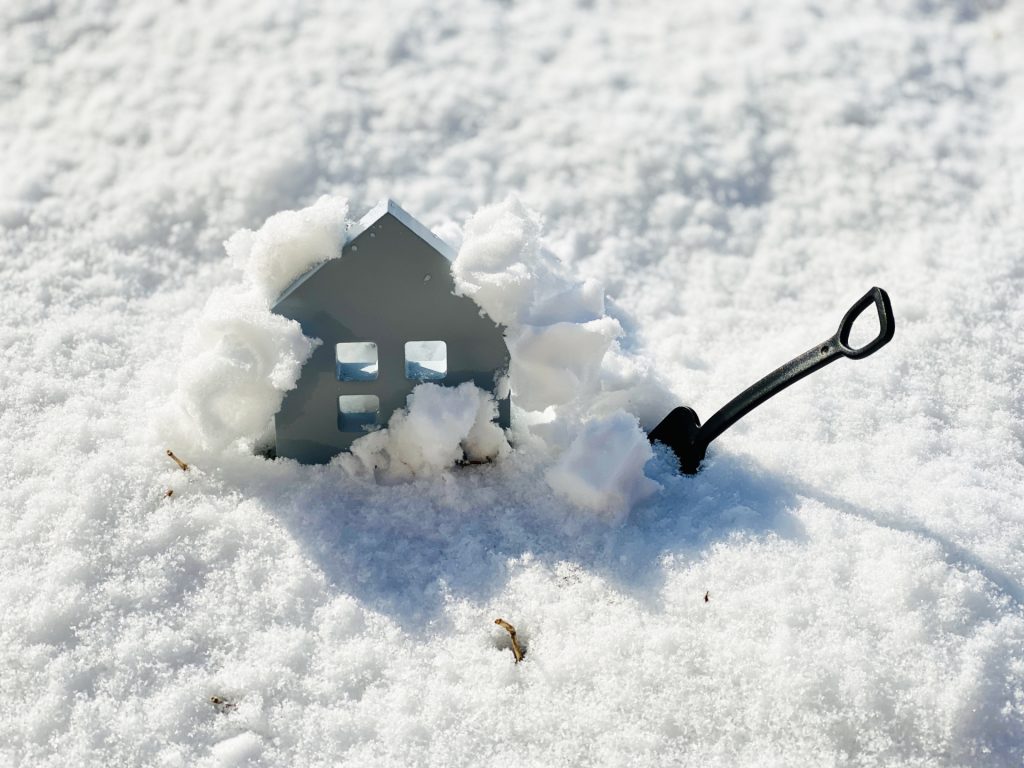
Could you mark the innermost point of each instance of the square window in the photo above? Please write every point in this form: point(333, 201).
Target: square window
point(356, 361)
point(358, 413)
point(426, 360)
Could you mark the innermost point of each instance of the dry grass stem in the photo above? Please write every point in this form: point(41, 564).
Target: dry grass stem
point(181, 464)
point(222, 705)
point(516, 650)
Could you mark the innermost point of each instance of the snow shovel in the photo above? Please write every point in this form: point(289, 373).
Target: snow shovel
point(682, 431)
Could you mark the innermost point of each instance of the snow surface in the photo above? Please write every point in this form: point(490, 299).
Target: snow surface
point(734, 176)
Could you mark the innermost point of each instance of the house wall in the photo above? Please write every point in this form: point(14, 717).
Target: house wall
point(389, 287)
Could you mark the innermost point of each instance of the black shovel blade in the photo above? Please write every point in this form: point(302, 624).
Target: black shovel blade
point(679, 431)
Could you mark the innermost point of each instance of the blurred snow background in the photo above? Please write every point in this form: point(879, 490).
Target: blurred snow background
point(735, 176)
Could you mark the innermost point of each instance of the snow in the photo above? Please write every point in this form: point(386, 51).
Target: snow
point(556, 329)
point(439, 427)
point(603, 468)
point(720, 182)
point(236, 364)
point(289, 244)
point(240, 359)
point(566, 352)
point(241, 750)
point(500, 262)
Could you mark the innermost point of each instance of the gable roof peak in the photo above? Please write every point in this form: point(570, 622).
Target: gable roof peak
point(389, 206)
point(384, 208)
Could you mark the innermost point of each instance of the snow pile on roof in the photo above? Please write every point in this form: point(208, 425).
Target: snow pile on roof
point(289, 244)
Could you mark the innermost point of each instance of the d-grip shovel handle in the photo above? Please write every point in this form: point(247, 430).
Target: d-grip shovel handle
point(681, 430)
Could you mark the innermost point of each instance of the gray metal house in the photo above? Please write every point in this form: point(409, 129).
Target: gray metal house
point(389, 319)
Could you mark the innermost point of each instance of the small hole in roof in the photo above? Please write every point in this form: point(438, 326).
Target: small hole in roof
point(426, 360)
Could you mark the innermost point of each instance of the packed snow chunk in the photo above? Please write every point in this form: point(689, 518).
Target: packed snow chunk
point(439, 426)
point(553, 364)
point(603, 469)
point(558, 333)
point(632, 383)
point(236, 364)
point(500, 264)
point(289, 244)
point(578, 303)
point(503, 266)
point(245, 749)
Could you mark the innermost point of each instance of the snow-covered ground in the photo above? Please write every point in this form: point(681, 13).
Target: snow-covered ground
point(841, 585)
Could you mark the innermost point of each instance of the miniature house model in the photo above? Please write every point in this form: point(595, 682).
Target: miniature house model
point(389, 320)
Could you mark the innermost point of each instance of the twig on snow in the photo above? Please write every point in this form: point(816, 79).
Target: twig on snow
point(222, 705)
point(181, 464)
point(516, 650)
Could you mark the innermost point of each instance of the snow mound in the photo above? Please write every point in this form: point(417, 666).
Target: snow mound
point(564, 347)
point(557, 330)
point(498, 265)
point(567, 367)
point(440, 426)
point(557, 363)
point(239, 358)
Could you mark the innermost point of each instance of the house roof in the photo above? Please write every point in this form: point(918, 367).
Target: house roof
point(384, 208)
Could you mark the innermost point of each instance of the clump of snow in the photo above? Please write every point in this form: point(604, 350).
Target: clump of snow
point(557, 363)
point(564, 347)
point(289, 244)
point(237, 363)
point(603, 469)
point(439, 427)
point(499, 264)
point(566, 359)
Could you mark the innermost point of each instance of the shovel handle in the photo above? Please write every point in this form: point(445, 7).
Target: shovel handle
point(886, 324)
point(681, 429)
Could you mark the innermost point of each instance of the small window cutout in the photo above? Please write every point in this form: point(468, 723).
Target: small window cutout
point(358, 413)
point(356, 361)
point(426, 360)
